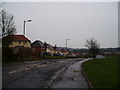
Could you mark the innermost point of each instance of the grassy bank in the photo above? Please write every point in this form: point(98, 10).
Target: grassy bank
point(103, 73)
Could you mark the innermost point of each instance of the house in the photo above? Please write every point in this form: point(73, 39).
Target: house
point(79, 53)
point(50, 49)
point(38, 46)
point(16, 41)
point(64, 52)
point(41, 47)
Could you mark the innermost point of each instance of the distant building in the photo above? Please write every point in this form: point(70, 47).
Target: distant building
point(16, 41)
point(79, 53)
point(50, 49)
point(64, 52)
point(38, 46)
point(41, 47)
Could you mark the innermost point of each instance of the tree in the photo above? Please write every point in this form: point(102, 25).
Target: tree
point(7, 24)
point(93, 47)
point(7, 27)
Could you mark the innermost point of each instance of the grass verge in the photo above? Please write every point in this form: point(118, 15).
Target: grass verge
point(103, 73)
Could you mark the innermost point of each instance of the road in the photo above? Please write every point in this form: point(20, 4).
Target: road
point(33, 74)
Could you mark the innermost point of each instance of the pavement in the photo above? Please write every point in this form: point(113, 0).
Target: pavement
point(72, 77)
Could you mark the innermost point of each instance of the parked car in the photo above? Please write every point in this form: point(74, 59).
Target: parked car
point(57, 54)
point(46, 53)
point(99, 56)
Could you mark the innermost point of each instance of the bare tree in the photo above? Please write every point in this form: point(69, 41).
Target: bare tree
point(7, 24)
point(7, 27)
point(93, 47)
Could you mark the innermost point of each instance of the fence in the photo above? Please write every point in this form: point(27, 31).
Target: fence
point(17, 53)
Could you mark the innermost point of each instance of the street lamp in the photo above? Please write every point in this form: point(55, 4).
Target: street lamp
point(24, 25)
point(24, 33)
point(66, 42)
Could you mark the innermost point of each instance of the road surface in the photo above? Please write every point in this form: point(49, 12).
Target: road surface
point(33, 74)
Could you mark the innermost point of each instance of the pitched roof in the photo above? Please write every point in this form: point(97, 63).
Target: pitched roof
point(17, 38)
point(37, 43)
point(50, 46)
point(64, 50)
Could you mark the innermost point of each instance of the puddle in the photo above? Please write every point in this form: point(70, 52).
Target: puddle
point(76, 71)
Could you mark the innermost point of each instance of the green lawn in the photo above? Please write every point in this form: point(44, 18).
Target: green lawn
point(103, 73)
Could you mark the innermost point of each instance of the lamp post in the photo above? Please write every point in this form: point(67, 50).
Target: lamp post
point(66, 42)
point(45, 45)
point(24, 33)
point(24, 25)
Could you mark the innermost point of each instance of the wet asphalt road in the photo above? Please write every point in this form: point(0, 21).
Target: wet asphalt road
point(34, 74)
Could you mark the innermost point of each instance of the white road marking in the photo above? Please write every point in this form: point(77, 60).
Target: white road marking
point(26, 68)
point(60, 61)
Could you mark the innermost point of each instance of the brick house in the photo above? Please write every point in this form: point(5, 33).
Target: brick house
point(64, 52)
point(38, 46)
point(16, 41)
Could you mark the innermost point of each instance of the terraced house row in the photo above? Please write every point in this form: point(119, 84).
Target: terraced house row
point(20, 41)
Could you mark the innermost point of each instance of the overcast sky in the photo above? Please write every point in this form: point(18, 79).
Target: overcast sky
point(54, 22)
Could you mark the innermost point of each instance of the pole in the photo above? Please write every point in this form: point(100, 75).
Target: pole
point(66, 43)
point(24, 35)
point(24, 28)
